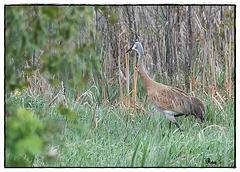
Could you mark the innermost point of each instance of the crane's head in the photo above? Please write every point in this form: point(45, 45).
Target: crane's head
point(137, 46)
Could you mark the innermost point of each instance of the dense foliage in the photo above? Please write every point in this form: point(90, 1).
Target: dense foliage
point(44, 40)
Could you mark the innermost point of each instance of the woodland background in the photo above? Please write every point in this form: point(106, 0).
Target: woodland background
point(59, 58)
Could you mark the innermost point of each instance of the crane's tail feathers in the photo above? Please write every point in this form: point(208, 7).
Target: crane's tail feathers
point(198, 108)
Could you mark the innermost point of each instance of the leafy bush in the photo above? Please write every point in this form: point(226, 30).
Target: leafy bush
point(25, 136)
point(44, 39)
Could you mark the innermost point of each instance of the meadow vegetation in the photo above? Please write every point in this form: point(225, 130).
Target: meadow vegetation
point(96, 135)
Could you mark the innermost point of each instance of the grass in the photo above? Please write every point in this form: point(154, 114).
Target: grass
point(98, 137)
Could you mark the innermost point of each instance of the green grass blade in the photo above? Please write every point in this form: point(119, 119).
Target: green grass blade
point(144, 154)
point(134, 154)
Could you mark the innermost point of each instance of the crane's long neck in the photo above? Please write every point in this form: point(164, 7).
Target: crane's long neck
point(146, 80)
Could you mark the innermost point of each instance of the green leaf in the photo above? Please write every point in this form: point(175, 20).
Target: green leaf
point(112, 20)
point(23, 113)
point(53, 82)
point(221, 34)
point(221, 25)
point(50, 11)
point(71, 115)
point(30, 144)
point(66, 112)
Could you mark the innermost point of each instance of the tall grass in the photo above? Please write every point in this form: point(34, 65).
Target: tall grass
point(98, 137)
point(101, 131)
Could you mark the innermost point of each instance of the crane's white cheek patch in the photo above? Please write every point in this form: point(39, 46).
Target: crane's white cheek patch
point(134, 47)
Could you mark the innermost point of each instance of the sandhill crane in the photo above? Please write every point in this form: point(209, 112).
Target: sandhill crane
point(171, 102)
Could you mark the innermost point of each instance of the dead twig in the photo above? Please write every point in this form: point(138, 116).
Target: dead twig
point(51, 102)
point(120, 101)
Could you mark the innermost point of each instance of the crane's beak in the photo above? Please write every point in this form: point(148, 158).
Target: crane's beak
point(130, 49)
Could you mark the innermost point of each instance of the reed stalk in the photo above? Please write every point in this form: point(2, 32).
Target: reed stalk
point(121, 89)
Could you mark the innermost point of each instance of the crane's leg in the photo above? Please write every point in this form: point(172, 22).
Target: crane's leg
point(172, 119)
point(178, 126)
point(170, 125)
